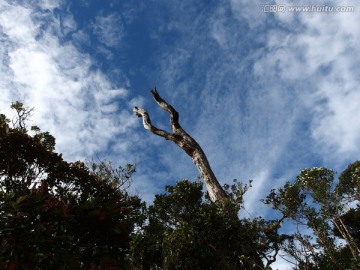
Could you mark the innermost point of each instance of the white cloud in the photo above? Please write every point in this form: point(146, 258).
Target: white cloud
point(249, 10)
point(46, 4)
point(20, 30)
point(73, 101)
point(218, 28)
point(316, 55)
point(337, 123)
point(109, 29)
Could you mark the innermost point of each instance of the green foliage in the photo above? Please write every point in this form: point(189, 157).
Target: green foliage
point(349, 184)
point(55, 214)
point(119, 177)
point(315, 201)
point(185, 232)
point(352, 221)
point(71, 215)
point(23, 115)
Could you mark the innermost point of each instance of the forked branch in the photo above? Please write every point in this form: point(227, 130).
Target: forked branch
point(185, 142)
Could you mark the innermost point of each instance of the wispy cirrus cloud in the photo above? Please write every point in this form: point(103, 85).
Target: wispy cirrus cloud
point(321, 59)
point(265, 94)
point(73, 100)
point(109, 29)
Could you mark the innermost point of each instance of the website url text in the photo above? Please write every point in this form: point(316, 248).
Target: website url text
point(285, 8)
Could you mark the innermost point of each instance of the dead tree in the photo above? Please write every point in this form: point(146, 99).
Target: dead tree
point(186, 143)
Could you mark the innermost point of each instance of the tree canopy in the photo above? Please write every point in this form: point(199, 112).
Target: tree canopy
point(186, 231)
point(56, 214)
point(319, 205)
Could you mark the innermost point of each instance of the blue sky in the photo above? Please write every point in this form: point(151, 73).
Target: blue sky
point(265, 94)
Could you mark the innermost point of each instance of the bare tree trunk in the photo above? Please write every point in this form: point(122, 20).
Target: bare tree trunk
point(186, 143)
